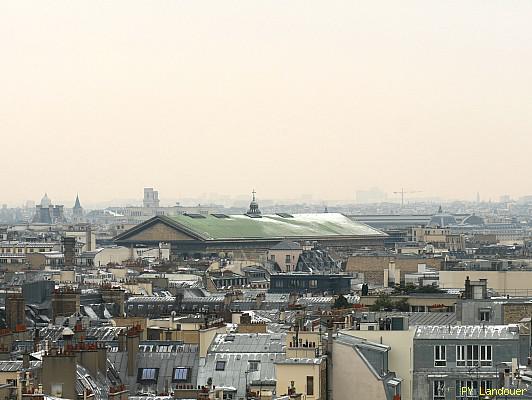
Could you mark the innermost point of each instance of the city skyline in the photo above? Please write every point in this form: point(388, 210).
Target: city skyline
point(242, 200)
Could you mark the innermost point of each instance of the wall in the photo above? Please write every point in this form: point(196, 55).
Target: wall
point(373, 266)
point(424, 369)
point(111, 255)
point(206, 338)
point(280, 258)
point(400, 358)
point(351, 376)
point(133, 321)
point(60, 370)
point(286, 373)
point(516, 283)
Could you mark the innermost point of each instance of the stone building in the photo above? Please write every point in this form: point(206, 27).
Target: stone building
point(462, 362)
point(373, 265)
point(251, 235)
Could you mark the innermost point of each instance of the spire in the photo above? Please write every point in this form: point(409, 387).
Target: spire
point(77, 204)
point(440, 210)
point(253, 206)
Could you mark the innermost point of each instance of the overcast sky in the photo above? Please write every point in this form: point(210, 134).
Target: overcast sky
point(288, 97)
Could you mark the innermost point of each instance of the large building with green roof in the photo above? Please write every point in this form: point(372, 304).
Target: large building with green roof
point(251, 234)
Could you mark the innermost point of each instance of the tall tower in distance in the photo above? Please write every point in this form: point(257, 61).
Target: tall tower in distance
point(151, 198)
point(77, 211)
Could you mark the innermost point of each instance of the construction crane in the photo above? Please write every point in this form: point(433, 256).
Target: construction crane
point(403, 192)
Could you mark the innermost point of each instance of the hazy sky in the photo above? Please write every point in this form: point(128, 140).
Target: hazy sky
point(289, 97)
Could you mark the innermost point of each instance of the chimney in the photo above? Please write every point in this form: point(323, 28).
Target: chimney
point(102, 359)
point(292, 299)
point(26, 360)
point(36, 341)
point(69, 250)
point(259, 300)
point(468, 292)
point(79, 332)
point(15, 311)
point(88, 237)
point(122, 342)
point(132, 346)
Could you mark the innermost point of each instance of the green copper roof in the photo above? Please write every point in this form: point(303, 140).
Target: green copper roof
point(274, 226)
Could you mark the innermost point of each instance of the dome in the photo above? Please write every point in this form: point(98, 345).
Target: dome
point(253, 206)
point(45, 201)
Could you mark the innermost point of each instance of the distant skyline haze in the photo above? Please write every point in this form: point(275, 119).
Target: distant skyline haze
point(290, 98)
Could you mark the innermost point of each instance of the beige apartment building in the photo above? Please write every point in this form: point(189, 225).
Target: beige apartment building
point(400, 360)
point(304, 369)
point(440, 238)
point(515, 283)
point(285, 254)
point(373, 266)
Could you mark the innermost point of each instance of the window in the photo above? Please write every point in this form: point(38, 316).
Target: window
point(440, 359)
point(310, 385)
point(253, 365)
point(470, 355)
point(272, 257)
point(466, 390)
point(485, 356)
point(180, 375)
point(287, 259)
point(460, 356)
point(484, 315)
point(57, 389)
point(147, 375)
point(485, 385)
point(438, 390)
point(220, 366)
point(313, 283)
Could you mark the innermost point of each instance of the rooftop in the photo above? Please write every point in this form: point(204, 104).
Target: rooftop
point(210, 227)
point(467, 332)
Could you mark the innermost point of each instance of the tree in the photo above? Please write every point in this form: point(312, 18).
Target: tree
point(383, 302)
point(410, 288)
point(341, 302)
point(402, 305)
point(386, 303)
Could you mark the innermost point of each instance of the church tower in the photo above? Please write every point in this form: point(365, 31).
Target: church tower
point(77, 210)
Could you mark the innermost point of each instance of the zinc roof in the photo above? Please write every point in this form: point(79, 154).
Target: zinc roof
point(467, 332)
point(210, 227)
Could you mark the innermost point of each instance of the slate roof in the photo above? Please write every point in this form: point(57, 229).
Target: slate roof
point(185, 356)
point(236, 350)
point(414, 318)
point(286, 245)
point(13, 366)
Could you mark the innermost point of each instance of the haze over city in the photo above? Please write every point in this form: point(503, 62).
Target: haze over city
point(323, 98)
point(265, 200)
